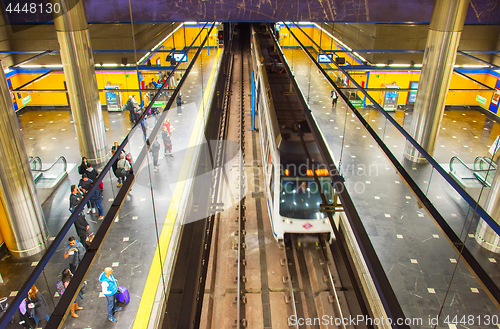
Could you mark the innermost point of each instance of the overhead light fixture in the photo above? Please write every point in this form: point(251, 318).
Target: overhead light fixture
point(30, 66)
point(110, 65)
point(380, 64)
point(53, 65)
point(399, 65)
point(160, 43)
point(475, 66)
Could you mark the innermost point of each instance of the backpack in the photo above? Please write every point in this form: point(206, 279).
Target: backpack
point(60, 288)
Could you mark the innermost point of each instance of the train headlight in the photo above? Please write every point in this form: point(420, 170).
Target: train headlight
point(307, 204)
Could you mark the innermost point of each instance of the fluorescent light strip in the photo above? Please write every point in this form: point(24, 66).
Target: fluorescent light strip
point(475, 66)
point(380, 64)
point(53, 65)
point(341, 43)
point(400, 65)
point(159, 44)
point(110, 65)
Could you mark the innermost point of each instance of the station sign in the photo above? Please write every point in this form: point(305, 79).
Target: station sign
point(325, 58)
point(480, 99)
point(158, 105)
point(26, 100)
point(357, 102)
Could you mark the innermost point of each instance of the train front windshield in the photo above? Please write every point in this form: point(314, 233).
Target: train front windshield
point(300, 198)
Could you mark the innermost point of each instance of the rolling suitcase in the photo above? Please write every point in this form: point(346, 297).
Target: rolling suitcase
point(123, 295)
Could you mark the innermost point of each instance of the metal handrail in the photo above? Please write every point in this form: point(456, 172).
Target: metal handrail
point(35, 160)
point(64, 161)
point(487, 160)
point(467, 166)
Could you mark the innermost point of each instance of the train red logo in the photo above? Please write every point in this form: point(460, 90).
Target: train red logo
point(307, 226)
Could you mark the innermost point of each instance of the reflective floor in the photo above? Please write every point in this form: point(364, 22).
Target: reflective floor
point(132, 241)
point(422, 267)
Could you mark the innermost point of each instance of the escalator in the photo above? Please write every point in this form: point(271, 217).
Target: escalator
point(48, 179)
point(481, 174)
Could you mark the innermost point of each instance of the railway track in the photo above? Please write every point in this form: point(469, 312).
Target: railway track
point(245, 279)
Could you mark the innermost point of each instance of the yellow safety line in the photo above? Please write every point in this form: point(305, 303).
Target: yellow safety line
point(148, 296)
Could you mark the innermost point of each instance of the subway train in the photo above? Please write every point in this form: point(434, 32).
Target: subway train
point(292, 194)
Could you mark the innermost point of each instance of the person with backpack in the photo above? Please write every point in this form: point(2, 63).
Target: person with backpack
point(75, 252)
point(167, 141)
point(334, 97)
point(109, 289)
point(61, 286)
point(123, 168)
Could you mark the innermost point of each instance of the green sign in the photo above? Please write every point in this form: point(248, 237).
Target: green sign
point(127, 75)
point(159, 104)
point(480, 99)
point(26, 99)
point(357, 103)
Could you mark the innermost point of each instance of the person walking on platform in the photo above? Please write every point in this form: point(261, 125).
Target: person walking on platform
point(109, 289)
point(334, 97)
point(123, 168)
point(75, 252)
point(167, 142)
point(178, 100)
point(155, 152)
point(82, 169)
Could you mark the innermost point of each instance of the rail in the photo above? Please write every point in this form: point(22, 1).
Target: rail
point(474, 265)
point(465, 173)
point(62, 307)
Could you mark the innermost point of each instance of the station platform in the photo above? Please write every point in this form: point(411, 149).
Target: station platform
point(147, 216)
point(417, 258)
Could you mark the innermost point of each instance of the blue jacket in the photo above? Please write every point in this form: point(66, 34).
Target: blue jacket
point(112, 285)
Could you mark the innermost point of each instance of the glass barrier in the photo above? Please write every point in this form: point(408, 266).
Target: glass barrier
point(143, 225)
point(48, 178)
point(422, 266)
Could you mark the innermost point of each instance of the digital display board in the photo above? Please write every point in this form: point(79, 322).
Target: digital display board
point(325, 58)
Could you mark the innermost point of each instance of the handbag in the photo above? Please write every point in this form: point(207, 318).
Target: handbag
point(30, 311)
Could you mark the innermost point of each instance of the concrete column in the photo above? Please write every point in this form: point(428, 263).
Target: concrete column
point(445, 29)
point(485, 236)
point(78, 63)
point(24, 230)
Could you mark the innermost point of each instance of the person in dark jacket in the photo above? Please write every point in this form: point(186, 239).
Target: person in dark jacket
point(96, 200)
point(82, 169)
point(85, 185)
point(74, 251)
point(155, 152)
point(92, 173)
point(38, 302)
point(114, 166)
point(178, 100)
point(81, 224)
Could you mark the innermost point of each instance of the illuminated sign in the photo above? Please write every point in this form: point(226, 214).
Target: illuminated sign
point(322, 58)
